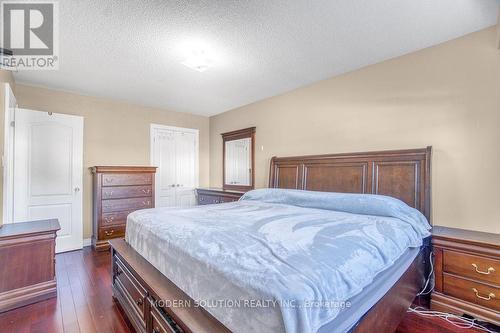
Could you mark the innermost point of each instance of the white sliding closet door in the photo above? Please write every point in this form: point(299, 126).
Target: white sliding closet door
point(185, 157)
point(175, 152)
point(163, 157)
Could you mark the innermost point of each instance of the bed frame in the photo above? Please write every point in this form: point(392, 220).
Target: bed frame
point(147, 297)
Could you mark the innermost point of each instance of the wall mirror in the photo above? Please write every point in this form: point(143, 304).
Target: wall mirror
point(238, 159)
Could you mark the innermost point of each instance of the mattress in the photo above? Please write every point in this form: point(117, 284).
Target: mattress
point(280, 260)
point(371, 294)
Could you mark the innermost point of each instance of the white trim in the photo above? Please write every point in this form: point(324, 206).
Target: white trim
point(87, 242)
point(8, 155)
point(175, 128)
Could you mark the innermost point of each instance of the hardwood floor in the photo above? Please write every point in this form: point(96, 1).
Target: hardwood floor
point(84, 303)
point(414, 323)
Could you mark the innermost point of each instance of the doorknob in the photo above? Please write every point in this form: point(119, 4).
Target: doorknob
point(77, 189)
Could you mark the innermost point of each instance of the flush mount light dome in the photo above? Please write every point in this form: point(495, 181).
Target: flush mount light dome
point(198, 60)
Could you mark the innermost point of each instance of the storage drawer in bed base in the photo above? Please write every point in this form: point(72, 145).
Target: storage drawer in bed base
point(141, 278)
point(140, 307)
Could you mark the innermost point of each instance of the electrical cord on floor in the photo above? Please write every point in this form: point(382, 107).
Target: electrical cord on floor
point(429, 278)
point(457, 321)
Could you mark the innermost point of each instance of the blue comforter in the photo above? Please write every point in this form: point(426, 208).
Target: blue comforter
point(277, 260)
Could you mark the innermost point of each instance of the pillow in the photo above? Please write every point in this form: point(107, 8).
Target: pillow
point(366, 204)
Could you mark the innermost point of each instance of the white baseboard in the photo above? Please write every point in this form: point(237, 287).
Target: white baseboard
point(87, 242)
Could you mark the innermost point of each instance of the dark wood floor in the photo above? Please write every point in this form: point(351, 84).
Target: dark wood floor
point(84, 303)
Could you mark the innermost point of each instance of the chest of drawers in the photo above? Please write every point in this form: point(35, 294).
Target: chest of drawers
point(467, 273)
point(27, 263)
point(118, 191)
point(208, 196)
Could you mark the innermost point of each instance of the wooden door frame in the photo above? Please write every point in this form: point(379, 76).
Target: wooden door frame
point(153, 129)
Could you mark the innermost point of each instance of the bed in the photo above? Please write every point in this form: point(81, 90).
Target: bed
point(247, 251)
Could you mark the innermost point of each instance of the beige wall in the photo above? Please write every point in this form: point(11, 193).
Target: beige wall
point(5, 77)
point(115, 133)
point(447, 96)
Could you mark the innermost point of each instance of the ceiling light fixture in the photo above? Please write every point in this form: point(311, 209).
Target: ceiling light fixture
point(198, 60)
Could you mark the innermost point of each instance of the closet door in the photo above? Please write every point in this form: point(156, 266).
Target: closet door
point(185, 169)
point(164, 157)
point(175, 152)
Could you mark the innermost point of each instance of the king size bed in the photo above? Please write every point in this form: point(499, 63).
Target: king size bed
point(337, 243)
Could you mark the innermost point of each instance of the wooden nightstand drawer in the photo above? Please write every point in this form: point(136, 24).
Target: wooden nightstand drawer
point(467, 269)
point(474, 267)
point(472, 291)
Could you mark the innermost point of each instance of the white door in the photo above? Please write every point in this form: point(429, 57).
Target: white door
point(164, 158)
point(48, 171)
point(175, 152)
point(185, 158)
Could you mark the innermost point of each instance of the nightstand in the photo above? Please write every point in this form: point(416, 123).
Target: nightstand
point(467, 273)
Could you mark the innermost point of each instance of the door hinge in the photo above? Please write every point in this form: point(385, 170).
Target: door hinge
point(13, 124)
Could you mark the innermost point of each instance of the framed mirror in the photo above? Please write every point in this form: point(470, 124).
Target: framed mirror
point(238, 159)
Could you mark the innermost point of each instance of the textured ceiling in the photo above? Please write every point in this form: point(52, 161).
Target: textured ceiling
point(133, 50)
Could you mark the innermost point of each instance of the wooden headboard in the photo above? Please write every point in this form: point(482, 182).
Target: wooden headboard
point(403, 174)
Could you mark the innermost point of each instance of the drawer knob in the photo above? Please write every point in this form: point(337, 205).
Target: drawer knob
point(490, 270)
point(156, 330)
point(109, 233)
point(139, 302)
point(145, 191)
point(490, 295)
point(146, 203)
point(109, 219)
